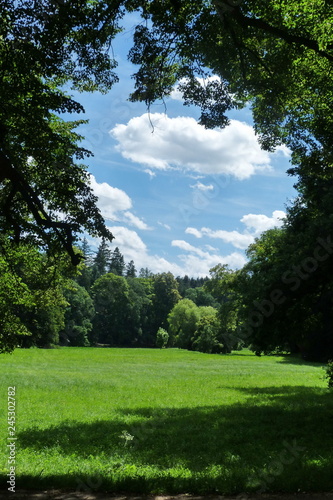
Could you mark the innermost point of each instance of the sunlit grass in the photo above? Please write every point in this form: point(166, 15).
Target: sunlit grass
point(150, 421)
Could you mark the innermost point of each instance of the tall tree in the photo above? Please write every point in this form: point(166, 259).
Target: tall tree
point(101, 260)
point(45, 45)
point(78, 316)
point(117, 262)
point(166, 295)
point(130, 270)
point(112, 322)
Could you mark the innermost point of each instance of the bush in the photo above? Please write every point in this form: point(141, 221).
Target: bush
point(162, 338)
point(329, 374)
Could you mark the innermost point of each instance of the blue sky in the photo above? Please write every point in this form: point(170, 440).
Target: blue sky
point(178, 197)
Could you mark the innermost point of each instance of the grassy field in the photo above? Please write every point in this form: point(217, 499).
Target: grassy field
point(154, 421)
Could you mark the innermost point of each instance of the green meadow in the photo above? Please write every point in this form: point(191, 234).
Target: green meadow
point(167, 421)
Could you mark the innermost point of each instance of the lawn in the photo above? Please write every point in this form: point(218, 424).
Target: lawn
point(167, 421)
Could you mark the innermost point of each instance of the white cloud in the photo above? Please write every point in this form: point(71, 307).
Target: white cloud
point(150, 172)
point(202, 187)
point(194, 231)
point(238, 240)
point(260, 222)
point(135, 221)
point(255, 225)
point(114, 204)
point(181, 143)
point(110, 200)
point(197, 262)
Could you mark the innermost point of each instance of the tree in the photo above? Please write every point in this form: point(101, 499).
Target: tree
point(117, 263)
point(140, 320)
point(166, 295)
point(32, 304)
point(162, 338)
point(130, 270)
point(287, 292)
point(183, 320)
point(44, 45)
point(200, 297)
point(15, 295)
point(227, 287)
point(145, 273)
point(101, 260)
point(85, 277)
point(78, 316)
point(205, 338)
point(112, 321)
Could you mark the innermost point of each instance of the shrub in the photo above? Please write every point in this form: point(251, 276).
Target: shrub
point(162, 338)
point(329, 373)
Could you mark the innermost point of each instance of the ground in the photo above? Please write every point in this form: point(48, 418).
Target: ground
point(62, 495)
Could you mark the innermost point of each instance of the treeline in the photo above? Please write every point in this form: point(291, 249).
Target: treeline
point(109, 303)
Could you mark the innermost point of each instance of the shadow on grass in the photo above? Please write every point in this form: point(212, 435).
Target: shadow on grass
point(280, 439)
point(296, 359)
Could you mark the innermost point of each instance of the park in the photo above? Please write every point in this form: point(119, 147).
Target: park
point(169, 421)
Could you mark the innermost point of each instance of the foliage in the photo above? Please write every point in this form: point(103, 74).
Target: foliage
point(14, 296)
point(45, 194)
point(101, 261)
point(205, 338)
point(130, 270)
point(117, 263)
point(329, 374)
point(162, 338)
point(113, 310)
point(200, 297)
point(32, 303)
point(226, 286)
point(165, 296)
point(78, 316)
point(183, 319)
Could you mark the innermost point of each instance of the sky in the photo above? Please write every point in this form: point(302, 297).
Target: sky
point(176, 196)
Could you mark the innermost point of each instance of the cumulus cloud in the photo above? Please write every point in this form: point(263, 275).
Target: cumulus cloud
point(238, 240)
point(135, 221)
point(194, 231)
point(181, 143)
point(110, 199)
point(198, 262)
point(255, 224)
point(114, 204)
point(260, 222)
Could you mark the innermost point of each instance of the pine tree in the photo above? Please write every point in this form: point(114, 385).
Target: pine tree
point(117, 263)
point(101, 260)
point(130, 270)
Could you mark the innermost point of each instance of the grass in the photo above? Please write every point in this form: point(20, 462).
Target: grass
point(167, 421)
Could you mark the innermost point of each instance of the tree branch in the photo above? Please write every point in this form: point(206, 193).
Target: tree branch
point(260, 24)
point(43, 220)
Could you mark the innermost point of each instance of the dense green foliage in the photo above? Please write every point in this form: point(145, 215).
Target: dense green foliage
point(152, 421)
